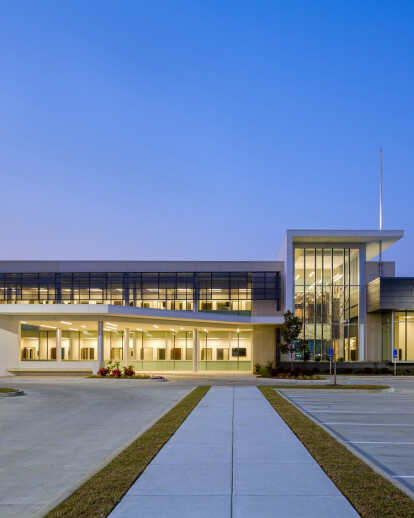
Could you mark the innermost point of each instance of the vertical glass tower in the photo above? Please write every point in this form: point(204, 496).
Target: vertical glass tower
point(327, 283)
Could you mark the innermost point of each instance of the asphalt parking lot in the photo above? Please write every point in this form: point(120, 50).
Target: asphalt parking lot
point(61, 431)
point(379, 426)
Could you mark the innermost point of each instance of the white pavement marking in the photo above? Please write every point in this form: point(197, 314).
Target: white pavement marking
point(233, 456)
point(377, 442)
point(369, 424)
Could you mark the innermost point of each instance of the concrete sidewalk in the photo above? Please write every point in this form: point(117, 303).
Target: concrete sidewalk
point(234, 457)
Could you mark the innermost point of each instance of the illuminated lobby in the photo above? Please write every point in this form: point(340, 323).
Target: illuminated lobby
point(207, 316)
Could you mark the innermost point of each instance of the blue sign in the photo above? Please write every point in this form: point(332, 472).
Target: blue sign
point(330, 354)
point(394, 354)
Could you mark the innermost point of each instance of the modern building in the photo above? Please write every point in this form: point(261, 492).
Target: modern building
point(203, 316)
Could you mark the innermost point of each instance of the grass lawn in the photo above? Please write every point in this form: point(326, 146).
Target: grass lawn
point(5, 389)
point(101, 493)
point(372, 495)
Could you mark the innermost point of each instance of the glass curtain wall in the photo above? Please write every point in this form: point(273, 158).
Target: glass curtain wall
point(220, 292)
point(398, 333)
point(163, 350)
point(326, 288)
point(39, 343)
point(225, 350)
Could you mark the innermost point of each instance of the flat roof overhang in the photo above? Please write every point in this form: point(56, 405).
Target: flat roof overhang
point(370, 238)
point(101, 311)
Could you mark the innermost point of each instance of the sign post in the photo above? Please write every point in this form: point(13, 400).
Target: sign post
point(394, 359)
point(330, 354)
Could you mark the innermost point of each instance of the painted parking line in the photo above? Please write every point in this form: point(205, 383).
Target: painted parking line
point(379, 442)
point(347, 412)
point(369, 424)
point(403, 476)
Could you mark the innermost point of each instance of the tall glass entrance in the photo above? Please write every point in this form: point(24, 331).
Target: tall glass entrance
point(326, 284)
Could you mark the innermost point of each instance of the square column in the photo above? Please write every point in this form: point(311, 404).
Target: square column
point(58, 344)
point(100, 344)
point(195, 350)
point(126, 347)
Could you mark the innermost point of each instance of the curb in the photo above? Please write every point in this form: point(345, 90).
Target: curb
point(12, 394)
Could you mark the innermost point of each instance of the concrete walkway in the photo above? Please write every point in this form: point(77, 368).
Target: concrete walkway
point(234, 457)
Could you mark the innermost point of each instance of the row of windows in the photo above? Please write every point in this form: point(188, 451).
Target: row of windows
point(129, 288)
point(325, 266)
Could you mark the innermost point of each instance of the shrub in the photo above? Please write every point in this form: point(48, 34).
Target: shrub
point(257, 368)
point(128, 371)
point(272, 369)
point(264, 372)
point(385, 370)
point(368, 370)
point(315, 370)
point(400, 372)
point(296, 372)
point(116, 373)
point(103, 371)
point(307, 372)
point(275, 373)
point(281, 370)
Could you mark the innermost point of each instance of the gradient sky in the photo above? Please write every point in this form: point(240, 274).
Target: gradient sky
point(202, 129)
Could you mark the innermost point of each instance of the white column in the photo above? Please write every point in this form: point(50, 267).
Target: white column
point(58, 344)
point(195, 350)
point(100, 344)
point(126, 347)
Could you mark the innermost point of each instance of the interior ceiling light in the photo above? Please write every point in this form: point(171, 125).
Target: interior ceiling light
point(138, 329)
point(68, 323)
point(153, 325)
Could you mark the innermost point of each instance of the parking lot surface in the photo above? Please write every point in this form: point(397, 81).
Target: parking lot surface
point(378, 426)
point(56, 435)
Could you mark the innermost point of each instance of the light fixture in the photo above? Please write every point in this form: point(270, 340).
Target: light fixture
point(238, 330)
point(83, 326)
point(153, 325)
point(50, 327)
point(138, 329)
point(297, 277)
point(311, 274)
point(68, 323)
point(73, 329)
point(181, 328)
point(23, 322)
point(205, 330)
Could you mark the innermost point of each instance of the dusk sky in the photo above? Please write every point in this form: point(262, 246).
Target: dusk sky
point(202, 129)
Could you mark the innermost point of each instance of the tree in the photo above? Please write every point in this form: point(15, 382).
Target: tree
point(289, 332)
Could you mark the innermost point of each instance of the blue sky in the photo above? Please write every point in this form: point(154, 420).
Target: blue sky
point(201, 129)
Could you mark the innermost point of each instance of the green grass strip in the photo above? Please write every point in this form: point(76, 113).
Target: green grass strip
point(5, 389)
point(331, 387)
point(98, 496)
point(372, 495)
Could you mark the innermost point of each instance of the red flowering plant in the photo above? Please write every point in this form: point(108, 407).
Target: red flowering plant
point(128, 371)
point(103, 371)
point(114, 368)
